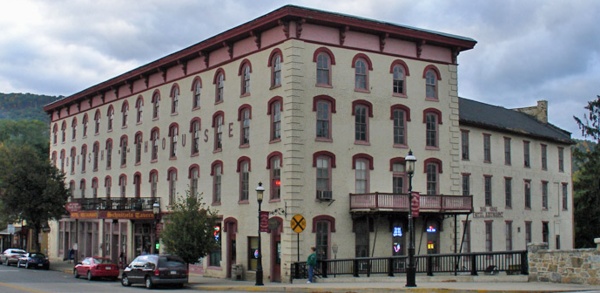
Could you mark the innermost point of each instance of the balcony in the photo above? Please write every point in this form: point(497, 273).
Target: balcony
point(390, 202)
point(116, 204)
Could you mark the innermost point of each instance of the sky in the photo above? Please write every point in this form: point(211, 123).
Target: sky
point(526, 50)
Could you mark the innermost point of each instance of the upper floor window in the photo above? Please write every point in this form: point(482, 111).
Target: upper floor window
point(83, 157)
point(274, 165)
point(275, 112)
point(245, 71)
point(324, 59)
point(63, 132)
point(123, 150)
point(154, 140)
point(507, 151)
point(361, 65)
point(508, 192)
point(219, 86)
point(565, 196)
point(153, 183)
point(399, 72)
point(324, 162)
point(138, 147)
point(487, 180)
point(123, 185)
point(55, 134)
point(526, 155)
point(95, 187)
point(466, 184)
point(137, 184)
point(217, 172)
point(62, 160)
point(97, 122)
point(561, 159)
point(399, 176)
point(109, 148)
point(431, 76)
point(544, 150)
point(172, 175)
point(362, 110)
point(218, 121)
point(110, 115)
point(244, 116)
point(545, 195)
point(362, 163)
point(487, 148)
point(155, 105)
point(244, 172)
point(139, 106)
point(196, 92)
point(432, 118)
point(194, 177)
point(82, 187)
point(124, 114)
point(173, 134)
point(527, 191)
point(464, 144)
point(73, 156)
point(433, 168)
point(324, 106)
point(108, 185)
point(175, 99)
point(95, 155)
point(195, 134)
point(84, 124)
point(74, 129)
point(275, 64)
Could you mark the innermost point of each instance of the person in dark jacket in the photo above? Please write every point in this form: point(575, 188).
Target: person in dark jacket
point(311, 262)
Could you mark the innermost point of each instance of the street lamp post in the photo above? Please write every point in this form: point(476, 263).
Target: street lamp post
point(156, 212)
point(411, 271)
point(259, 270)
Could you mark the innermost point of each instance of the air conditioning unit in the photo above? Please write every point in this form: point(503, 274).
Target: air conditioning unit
point(324, 195)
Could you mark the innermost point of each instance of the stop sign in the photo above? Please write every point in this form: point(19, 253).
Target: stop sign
point(415, 203)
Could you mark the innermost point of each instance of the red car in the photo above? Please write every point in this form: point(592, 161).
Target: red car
point(96, 267)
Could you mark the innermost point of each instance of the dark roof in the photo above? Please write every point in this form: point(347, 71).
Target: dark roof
point(498, 118)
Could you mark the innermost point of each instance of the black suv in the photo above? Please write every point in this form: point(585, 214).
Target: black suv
point(154, 269)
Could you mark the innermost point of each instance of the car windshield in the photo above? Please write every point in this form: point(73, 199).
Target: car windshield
point(17, 251)
point(102, 261)
point(170, 261)
point(37, 255)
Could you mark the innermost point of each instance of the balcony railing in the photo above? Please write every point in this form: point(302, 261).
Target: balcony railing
point(117, 204)
point(394, 202)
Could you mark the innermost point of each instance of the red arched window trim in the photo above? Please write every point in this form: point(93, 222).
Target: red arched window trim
point(364, 103)
point(434, 111)
point(364, 57)
point(400, 107)
point(241, 160)
point(326, 51)
point(362, 156)
point(432, 161)
point(325, 98)
point(324, 153)
point(316, 219)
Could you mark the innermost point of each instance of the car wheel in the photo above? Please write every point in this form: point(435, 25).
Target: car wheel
point(149, 283)
point(89, 275)
point(75, 274)
point(125, 281)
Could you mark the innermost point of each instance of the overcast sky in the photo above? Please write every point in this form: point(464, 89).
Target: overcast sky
point(526, 51)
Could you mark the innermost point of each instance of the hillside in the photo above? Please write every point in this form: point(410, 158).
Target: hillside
point(17, 106)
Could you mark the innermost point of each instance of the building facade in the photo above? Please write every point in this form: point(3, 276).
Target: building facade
point(319, 107)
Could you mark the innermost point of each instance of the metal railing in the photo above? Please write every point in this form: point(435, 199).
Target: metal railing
point(117, 203)
point(511, 262)
point(400, 202)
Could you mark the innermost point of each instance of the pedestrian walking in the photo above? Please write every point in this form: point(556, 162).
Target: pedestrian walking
point(311, 262)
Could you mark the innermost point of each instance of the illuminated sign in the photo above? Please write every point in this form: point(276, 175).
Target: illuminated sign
point(217, 233)
point(397, 231)
point(431, 229)
point(396, 247)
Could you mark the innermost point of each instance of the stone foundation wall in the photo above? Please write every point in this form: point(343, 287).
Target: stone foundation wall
point(579, 266)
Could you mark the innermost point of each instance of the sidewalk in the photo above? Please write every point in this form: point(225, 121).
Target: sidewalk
point(445, 284)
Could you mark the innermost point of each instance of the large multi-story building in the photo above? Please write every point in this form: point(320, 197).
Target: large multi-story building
point(322, 108)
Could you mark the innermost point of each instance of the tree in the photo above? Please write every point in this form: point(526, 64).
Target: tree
point(31, 132)
point(189, 229)
point(586, 183)
point(31, 188)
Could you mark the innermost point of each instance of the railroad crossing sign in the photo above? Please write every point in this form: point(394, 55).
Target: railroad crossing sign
point(298, 223)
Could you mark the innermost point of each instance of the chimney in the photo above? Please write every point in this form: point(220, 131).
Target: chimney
point(540, 111)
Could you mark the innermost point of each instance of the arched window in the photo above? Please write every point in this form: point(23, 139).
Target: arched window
point(361, 64)
point(274, 164)
point(137, 183)
point(55, 133)
point(108, 185)
point(324, 162)
point(153, 183)
point(95, 187)
point(125, 114)
point(155, 104)
point(73, 156)
point(324, 106)
point(174, 99)
point(324, 59)
point(218, 121)
point(74, 128)
point(362, 110)
point(172, 178)
point(85, 125)
point(362, 163)
point(216, 173)
point(123, 185)
point(195, 134)
point(194, 175)
point(399, 71)
point(244, 73)
point(123, 145)
point(399, 176)
point(431, 75)
point(244, 116)
point(138, 147)
point(63, 132)
point(139, 106)
point(62, 160)
point(219, 85)
point(275, 63)
point(173, 134)
point(196, 92)
point(433, 168)
point(97, 122)
point(432, 118)
point(95, 151)
point(110, 115)
point(108, 149)
point(275, 108)
point(243, 169)
point(155, 140)
point(400, 116)
point(83, 157)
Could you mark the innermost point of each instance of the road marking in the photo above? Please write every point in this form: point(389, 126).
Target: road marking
point(20, 288)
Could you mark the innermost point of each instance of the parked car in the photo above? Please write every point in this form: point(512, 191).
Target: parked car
point(34, 260)
point(96, 267)
point(11, 256)
point(153, 269)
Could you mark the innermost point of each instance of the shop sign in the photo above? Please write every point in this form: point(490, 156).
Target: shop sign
point(84, 215)
point(488, 212)
point(127, 215)
point(73, 206)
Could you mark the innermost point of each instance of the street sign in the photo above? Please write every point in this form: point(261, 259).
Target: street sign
point(298, 223)
point(415, 204)
point(264, 221)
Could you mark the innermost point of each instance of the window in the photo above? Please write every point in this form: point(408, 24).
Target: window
point(123, 185)
point(137, 182)
point(466, 184)
point(95, 151)
point(252, 249)
point(432, 120)
point(107, 185)
point(545, 195)
point(83, 157)
point(431, 86)
point(487, 148)
point(527, 189)
point(488, 236)
point(507, 151)
point(488, 189)
point(323, 69)
point(54, 134)
point(62, 160)
point(123, 151)
point(561, 159)
point(245, 74)
point(361, 77)
point(323, 162)
point(74, 129)
point(172, 185)
point(527, 233)
point(72, 189)
point(196, 92)
point(73, 156)
point(109, 148)
point(214, 258)
point(433, 167)
point(526, 160)
point(464, 140)
point(244, 173)
point(110, 115)
point(362, 110)
point(400, 116)
point(139, 106)
point(155, 105)
point(565, 196)
point(398, 84)
point(361, 176)
point(545, 232)
point(173, 135)
point(275, 64)
point(508, 234)
point(138, 148)
point(97, 122)
point(275, 175)
point(153, 183)
point(508, 192)
point(154, 140)
point(323, 229)
point(195, 134)
point(54, 158)
point(63, 132)
point(219, 86)
point(323, 119)
point(84, 124)
point(399, 176)
point(194, 177)
point(175, 99)
point(544, 150)
point(218, 129)
point(244, 118)
point(95, 187)
point(124, 114)
point(217, 172)
point(275, 112)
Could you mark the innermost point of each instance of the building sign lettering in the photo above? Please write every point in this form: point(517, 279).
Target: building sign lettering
point(488, 212)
